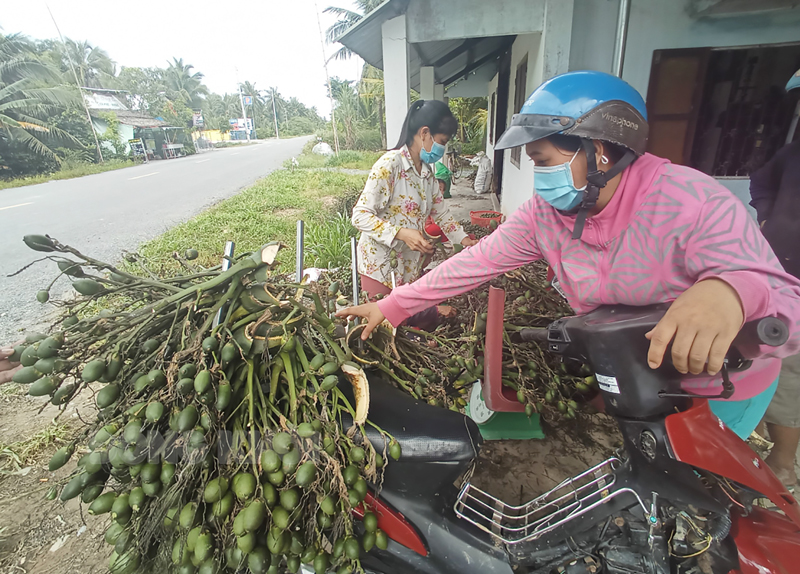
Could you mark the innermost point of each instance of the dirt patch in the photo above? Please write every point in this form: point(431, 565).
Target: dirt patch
point(516, 471)
point(328, 201)
point(38, 536)
point(289, 213)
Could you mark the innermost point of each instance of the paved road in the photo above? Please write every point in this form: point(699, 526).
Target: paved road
point(107, 213)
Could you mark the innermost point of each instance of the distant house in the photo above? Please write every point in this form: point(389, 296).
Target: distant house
point(712, 70)
point(155, 133)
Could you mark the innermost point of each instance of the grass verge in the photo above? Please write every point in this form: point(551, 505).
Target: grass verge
point(16, 455)
point(266, 211)
point(347, 159)
point(77, 171)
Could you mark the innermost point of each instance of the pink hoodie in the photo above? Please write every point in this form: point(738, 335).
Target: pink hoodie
point(667, 227)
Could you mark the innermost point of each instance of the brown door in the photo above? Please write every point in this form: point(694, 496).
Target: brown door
point(677, 78)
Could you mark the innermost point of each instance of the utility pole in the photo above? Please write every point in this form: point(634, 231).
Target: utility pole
point(275, 115)
point(328, 79)
point(241, 102)
point(244, 114)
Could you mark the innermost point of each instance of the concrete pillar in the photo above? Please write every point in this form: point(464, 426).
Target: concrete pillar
point(427, 82)
point(438, 92)
point(556, 37)
point(395, 75)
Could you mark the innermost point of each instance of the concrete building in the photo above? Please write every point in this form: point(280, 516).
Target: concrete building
point(712, 71)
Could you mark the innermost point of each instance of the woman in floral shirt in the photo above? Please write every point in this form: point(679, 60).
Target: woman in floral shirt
point(400, 194)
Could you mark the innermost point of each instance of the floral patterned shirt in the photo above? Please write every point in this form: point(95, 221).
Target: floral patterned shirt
point(397, 195)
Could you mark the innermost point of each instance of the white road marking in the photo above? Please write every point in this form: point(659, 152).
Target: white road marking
point(202, 160)
point(141, 176)
point(18, 205)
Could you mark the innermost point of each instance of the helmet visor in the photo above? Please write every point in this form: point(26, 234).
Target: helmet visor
point(526, 128)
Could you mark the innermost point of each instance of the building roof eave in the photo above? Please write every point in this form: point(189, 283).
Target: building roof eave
point(365, 37)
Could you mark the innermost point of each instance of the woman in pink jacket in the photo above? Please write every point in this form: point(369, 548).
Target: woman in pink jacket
point(620, 226)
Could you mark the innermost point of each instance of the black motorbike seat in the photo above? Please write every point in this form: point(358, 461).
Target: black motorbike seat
point(425, 432)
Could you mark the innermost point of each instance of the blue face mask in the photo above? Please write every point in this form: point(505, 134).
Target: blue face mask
point(554, 184)
point(436, 153)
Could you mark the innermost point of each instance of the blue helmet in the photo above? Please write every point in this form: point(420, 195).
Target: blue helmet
point(794, 81)
point(586, 104)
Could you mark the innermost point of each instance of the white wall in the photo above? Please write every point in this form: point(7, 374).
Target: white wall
point(593, 30)
point(518, 181)
point(548, 55)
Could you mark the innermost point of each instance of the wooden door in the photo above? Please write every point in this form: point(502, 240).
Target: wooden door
point(677, 79)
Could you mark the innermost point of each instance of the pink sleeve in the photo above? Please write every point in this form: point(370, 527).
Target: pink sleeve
point(726, 244)
point(512, 245)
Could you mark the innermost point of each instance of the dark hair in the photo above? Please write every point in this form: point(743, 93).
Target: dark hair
point(563, 142)
point(433, 114)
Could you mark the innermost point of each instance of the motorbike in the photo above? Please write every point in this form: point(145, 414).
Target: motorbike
point(681, 497)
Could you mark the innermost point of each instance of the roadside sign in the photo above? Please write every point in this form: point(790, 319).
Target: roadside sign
point(248, 100)
point(233, 121)
point(197, 119)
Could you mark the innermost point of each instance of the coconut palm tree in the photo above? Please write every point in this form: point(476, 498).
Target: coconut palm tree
point(184, 84)
point(349, 109)
point(93, 66)
point(29, 94)
point(347, 19)
point(371, 91)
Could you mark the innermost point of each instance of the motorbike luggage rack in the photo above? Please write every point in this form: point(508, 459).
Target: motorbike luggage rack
point(567, 501)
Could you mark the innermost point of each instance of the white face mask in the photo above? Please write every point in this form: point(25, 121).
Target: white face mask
point(555, 185)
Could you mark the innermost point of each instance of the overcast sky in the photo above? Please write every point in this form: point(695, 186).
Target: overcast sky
point(271, 42)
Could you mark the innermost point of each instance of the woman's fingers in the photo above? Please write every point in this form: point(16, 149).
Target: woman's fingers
point(7, 371)
point(660, 338)
point(372, 323)
point(369, 311)
point(681, 347)
point(422, 246)
point(699, 354)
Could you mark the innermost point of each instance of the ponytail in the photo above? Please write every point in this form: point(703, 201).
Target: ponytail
point(433, 114)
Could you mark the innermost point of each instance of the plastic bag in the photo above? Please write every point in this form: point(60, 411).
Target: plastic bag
point(322, 148)
point(483, 179)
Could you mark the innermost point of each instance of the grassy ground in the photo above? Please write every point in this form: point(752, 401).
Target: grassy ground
point(18, 454)
point(69, 173)
point(266, 211)
point(347, 159)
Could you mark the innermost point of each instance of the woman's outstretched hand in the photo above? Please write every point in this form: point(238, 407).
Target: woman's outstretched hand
point(369, 311)
point(415, 240)
point(7, 367)
point(701, 324)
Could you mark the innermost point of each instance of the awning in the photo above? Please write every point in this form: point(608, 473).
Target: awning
point(453, 60)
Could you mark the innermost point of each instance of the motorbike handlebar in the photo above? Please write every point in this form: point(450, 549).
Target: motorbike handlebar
point(769, 331)
point(533, 335)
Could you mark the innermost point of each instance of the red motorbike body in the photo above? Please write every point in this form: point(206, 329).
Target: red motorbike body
point(768, 542)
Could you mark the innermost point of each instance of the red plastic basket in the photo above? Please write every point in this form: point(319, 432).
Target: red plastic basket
point(479, 217)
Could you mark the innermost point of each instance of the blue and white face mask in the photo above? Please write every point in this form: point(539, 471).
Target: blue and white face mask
point(555, 185)
point(436, 153)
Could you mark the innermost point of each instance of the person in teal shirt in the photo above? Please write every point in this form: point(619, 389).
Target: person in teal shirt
point(444, 176)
